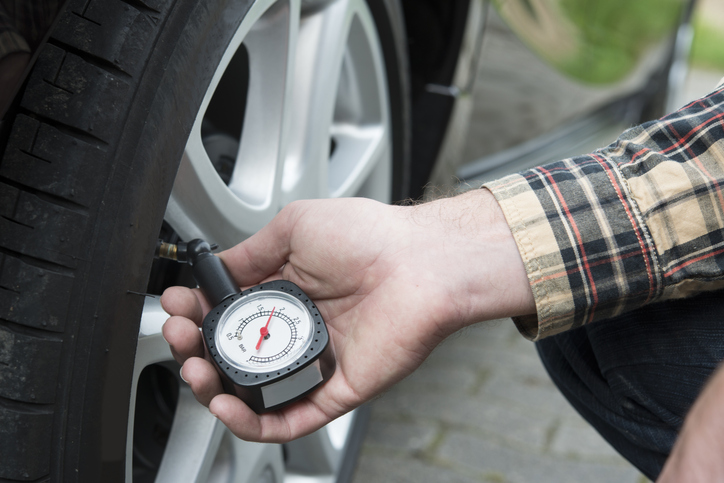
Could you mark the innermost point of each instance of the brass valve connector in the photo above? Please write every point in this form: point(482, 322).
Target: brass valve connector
point(166, 250)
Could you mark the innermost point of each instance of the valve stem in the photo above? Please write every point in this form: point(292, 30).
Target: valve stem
point(166, 250)
point(179, 252)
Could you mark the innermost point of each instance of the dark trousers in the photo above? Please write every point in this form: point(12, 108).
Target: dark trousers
point(634, 377)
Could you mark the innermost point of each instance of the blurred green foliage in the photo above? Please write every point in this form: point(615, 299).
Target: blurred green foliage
point(613, 34)
point(707, 50)
point(608, 37)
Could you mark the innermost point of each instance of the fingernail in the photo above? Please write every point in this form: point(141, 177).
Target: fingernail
point(181, 373)
point(214, 415)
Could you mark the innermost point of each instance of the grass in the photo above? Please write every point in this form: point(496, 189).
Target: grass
point(707, 50)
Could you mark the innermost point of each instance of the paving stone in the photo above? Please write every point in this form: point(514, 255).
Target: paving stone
point(491, 333)
point(411, 437)
point(502, 417)
point(394, 469)
point(500, 358)
point(536, 392)
point(433, 377)
point(574, 437)
point(520, 466)
point(522, 361)
point(457, 355)
point(495, 418)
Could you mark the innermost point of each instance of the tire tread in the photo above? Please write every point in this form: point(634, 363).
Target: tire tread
point(55, 164)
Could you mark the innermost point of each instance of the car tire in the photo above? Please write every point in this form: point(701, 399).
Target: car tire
point(86, 174)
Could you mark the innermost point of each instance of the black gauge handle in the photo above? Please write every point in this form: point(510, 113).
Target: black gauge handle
point(210, 273)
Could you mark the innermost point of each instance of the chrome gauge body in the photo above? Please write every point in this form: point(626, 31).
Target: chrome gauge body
point(270, 345)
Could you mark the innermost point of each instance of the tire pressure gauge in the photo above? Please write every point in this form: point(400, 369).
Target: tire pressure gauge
point(268, 343)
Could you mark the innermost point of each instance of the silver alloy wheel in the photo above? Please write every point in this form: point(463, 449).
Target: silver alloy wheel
point(299, 56)
point(296, 63)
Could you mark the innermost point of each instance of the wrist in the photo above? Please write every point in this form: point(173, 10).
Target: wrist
point(475, 259)
point(501, 288)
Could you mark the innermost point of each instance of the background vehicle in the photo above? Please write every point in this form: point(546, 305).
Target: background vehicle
point(187, 118)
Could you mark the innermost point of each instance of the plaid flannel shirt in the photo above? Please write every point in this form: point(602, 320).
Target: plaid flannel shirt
point(637, 222)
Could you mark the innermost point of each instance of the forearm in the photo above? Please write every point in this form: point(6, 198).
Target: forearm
point(466, 245)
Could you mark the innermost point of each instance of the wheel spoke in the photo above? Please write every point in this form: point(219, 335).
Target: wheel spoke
point(151, 349)
point(201, 449)
point(374, 166)
point(322, 452)
point(195, 434)
point(361, 128)
point(152, 321)
point(319, 50)
point(193, 443)
point(358, 152)
point(271, 47)
point(201, 204)
point(337, 141)
point(241, 461)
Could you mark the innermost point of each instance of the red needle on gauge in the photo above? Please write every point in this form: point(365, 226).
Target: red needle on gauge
point(264, 330)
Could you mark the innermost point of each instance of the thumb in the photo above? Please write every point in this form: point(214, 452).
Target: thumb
point(264, 253)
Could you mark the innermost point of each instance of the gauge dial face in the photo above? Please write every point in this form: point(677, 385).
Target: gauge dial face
point(264, 332)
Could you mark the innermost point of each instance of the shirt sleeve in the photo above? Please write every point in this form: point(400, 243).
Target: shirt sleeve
point(637, 222)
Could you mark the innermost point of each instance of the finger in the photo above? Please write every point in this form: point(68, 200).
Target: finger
point(263, 254)
point(282, 426)
point(184, 337)
point(184, 302)
point(203, 379)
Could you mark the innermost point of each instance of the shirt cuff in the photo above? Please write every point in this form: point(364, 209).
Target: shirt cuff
point(586, 251)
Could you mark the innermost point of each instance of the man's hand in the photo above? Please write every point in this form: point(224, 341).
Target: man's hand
point(698, 455)
point(391, 283)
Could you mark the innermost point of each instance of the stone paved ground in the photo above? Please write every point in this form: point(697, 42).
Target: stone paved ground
point(482, 409)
